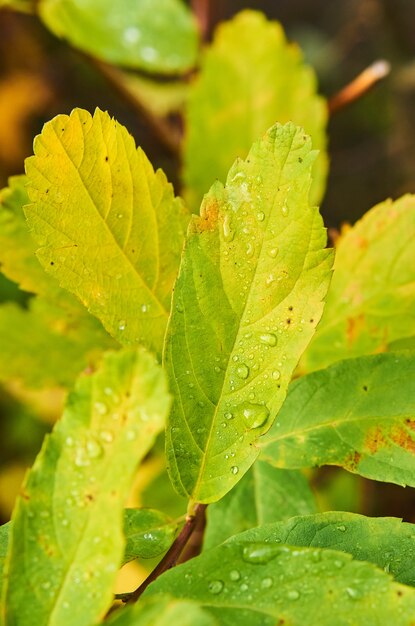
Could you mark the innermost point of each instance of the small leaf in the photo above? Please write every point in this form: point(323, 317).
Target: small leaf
point(265, 494)
point(162, 611)
point(45, 346)
point(371, 300)
point(4, 543)
point(110, 229)
point(148, 533)
point(250, 78)
point(264, 584)
point(385, 541)
point(358, 414)
point(67, 541)
point(153, 35)
point(248, 297)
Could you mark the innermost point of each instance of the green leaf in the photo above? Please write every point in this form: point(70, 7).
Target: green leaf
point(371, 300)
point(263, 584)
point(385, 541)
point(4, 543)
point(246, 302)
point(45, 346)
point(67, 540)
point(250, 78)
point(153, 35)
point(160, 97)
point(162, 611)
point(17, 247)
point(358, 414)
point(148, 533)
point(265, 494)
point(110, 229)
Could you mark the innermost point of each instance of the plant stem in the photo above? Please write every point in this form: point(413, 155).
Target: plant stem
point(359, 86)
point(164, 131)
point(170, 558)
point(201, 11)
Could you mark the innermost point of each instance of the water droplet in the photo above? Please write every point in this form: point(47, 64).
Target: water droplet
point(276, 374)
point(121, 325)
point(101, 408)
point(149, 53)
point(260, 552)
point(234, 575)
point(273, 252)
point(144, 308)
point(255, 414)
point(215, 586)
point(46, 585)
point(179, 307)
point(239, 177)
point(243, 371)
point(293, 594)
point(249, 250)
point(341, 528)
point(267, 582)
point(107, 436)
point(285, 210)
point(120, 216)
point(69, 441)
point(130, 435)
point(65, 522)
point(131, 35)
point(93, 448)
point(260, 216)
point(228, 415)
point(353, 593)
point(244, 587)
point(234, 469)
point(339, 564)
point(268, 339)
point(270, 279)
point(228, 233)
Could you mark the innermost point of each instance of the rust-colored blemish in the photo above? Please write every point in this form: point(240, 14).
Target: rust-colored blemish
point(375, 440)
point(24, 495)
point(354, 326)
point(352, 461)
point(208, 217)
point(402, 438)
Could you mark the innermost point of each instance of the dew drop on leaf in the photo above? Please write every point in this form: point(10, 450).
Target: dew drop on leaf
point(121, 325)
point(93, 448)
point(215, 586)
point(228, 233)
point(267, 582)
point(234, 575)
point(342, 528)
point(260, 216)
point(285, 210)
point(234, 469)
point(272, 252)
point(255, 415)
point(243, 371)
point(276, 374)
point(268, 339)
point(260, 553)
point(293, 594)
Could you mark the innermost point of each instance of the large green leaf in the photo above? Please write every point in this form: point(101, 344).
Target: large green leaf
point(359, 413)
point(67, 541)
point(265, 494)
point(46, 346)
point(246, 302)
point(110, 229)
point(371, 300)
point(154, 35)
point(250, 78)
point(149, 533)
point(162, 611)
point(264, 584)
point(385, 541)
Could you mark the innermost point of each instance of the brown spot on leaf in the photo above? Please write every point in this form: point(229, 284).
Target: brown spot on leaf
point(375, 440)
point(354, 327)
point(208, 216)
point(351, 461)
point(402, 437)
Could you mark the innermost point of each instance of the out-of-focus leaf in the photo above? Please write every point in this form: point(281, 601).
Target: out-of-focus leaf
point(265, 494)
point(371, 300)
point(264, 584)
point(249, 294)
point(385, 541)
point(149, 533)
point(160, 97)
point(357, 413)
point(4, 542)
point(67, 536)
point(154, 35)
point(162, 611)
point(110, 229)
point(45, 346)
point(250, 78)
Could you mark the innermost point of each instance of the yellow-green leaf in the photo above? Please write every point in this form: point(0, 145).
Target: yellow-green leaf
point(67, 537)
point(110, 229)
point(248, 297)
point(250, 78)
point(371, 300)
point(46, 346)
